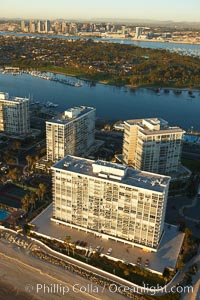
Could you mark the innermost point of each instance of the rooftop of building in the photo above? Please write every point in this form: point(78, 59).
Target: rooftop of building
point(5, 97)
point(71, 114)
point(154, 126)
point(113, 172)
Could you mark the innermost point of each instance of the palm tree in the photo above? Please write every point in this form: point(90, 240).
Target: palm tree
point(29, 161)
point(18, 144)
point(32, 198)
point(39, 194)
point(43, 189)
point(3, 179)
point(188, 232)
point(73, 247)
point(36, 158)
point(25, 202)
point(14, 174)
point(25, 207)
point(67, 241)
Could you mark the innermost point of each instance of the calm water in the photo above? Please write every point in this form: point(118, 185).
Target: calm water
point(111, 102)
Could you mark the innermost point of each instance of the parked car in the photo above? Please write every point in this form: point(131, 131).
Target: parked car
point(101, 249)
point(98, 248)
point(139, 261)
point(146, 263)
point(109, 251)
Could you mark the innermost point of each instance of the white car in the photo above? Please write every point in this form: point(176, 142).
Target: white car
point(98, 249)
point(109, 251)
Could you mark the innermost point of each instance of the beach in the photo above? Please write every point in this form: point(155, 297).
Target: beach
point(23, 277)
point(8, 292)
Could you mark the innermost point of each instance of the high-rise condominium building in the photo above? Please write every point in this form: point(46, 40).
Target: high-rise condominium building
point(39, 26)
point(47, 26)
point(64, 27)
point(138, 32)
point(70, 133)
point(151, 145)
point(32, 26)
point(22, 25)
point(14, 115)
point(110, 200)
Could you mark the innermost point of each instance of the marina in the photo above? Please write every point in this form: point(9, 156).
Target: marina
point(42, 75)
point(49, 104)
point(52, 77)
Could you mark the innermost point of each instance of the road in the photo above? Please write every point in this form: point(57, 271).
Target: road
point(173, 215)
point(180, 275)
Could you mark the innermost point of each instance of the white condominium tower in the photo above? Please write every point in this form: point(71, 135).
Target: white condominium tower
point(47, 26)
point(71, 132)
point(110, 200)
point(138, 32)
point(14, 115)
point(151, 145)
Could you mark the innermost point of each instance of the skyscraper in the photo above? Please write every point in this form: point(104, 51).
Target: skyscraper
point(138, 32)
point(73, 28)
point(32, 26)
point(22, 25)
point(39, 26)
point(152, 145)
point(110, 200)
point(63, 27)
point(71, 132)
point(47, 26)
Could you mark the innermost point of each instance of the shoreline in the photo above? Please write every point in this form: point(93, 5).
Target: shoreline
point(101, 38)
point(184, 89)
point(123, 85)
point(166, 41)
point(134, 87)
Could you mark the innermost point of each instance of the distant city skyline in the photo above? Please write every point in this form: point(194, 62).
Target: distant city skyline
point(89, 9)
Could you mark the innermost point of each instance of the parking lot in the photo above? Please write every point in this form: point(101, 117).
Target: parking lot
point(166, 256)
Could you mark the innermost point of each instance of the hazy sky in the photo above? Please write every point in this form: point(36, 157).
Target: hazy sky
point(177, 10)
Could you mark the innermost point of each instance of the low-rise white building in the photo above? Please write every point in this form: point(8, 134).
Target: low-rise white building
point(110, 200)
